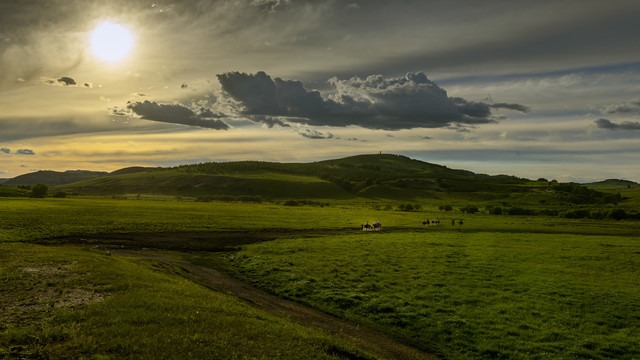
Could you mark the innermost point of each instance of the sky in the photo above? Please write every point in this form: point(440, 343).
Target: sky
point(535, 89)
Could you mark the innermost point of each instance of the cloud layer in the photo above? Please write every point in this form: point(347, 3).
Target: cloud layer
point(177, 114)
point(408, 102)
point(18, 152)
point(625, 125)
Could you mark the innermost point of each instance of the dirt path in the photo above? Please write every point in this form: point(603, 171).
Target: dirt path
point(364, 338)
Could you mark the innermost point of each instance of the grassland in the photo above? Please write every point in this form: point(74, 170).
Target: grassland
point(29, 219)
point(496, 287)
point(73, 303)
point(467, 295)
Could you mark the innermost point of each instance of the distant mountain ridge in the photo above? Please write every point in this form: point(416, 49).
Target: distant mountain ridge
point(54, 178)
point(57, 178)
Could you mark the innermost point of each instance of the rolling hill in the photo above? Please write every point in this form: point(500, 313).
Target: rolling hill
point(375, 177)
point(372, 176)
point(613, 184)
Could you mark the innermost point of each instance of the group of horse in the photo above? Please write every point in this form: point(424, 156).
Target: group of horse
point(436, 222)
point(377, 225)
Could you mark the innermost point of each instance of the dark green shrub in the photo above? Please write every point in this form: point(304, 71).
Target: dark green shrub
point(39, 190)
point(576, 214)
point(60, 194)
point(471, 209)
point(520, 211)
point(617, 214)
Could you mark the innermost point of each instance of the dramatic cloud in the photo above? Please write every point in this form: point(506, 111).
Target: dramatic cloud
point(314, 134)
point(625, 125)
point(67, 81)
point(25, 152)
point(177, 114)
point(409, 102)
point(631, 107)
point(515, 107)
point(5, 150)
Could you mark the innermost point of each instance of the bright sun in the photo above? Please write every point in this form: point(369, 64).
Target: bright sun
point(111, 42)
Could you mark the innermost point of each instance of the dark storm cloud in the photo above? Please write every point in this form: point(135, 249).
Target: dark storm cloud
point(25, 152)
point(177, 114)
point(630, 107)
point(625, 125)
point(508, 106)
point(65, 80)
point(412, 101)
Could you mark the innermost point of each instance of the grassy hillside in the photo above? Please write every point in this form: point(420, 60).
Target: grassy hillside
point(186, 182)
point(380, 177)
point(473, 295)
point(83, 303)
point(613, 184)
point(371, 176)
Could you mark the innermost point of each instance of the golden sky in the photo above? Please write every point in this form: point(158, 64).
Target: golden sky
point(533, 89)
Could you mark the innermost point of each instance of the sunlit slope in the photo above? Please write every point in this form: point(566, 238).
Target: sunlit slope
point(377, 176)
point(186, 183)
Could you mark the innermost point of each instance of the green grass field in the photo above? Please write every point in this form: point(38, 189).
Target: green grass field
point(73, 303)
point(512, 287)
point(467, 295)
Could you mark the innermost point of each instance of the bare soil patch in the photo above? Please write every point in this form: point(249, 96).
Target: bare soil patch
point(44, 288)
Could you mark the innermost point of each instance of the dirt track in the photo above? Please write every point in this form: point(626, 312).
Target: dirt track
point(365, 338)
point(138, 244)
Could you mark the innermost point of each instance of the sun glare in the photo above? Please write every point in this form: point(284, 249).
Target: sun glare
point(111, 42)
